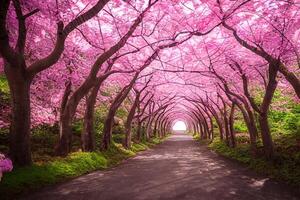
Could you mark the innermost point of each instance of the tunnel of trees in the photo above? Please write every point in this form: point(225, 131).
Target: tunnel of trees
point(87, 75)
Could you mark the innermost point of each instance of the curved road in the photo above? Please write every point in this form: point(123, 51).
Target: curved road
point(178, 169)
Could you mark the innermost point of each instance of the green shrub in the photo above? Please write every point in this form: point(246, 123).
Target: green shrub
point(118, 138)
point(77, 126)
point(4, 88)
point(285, 165)
point(122, 113)
point(240, 126)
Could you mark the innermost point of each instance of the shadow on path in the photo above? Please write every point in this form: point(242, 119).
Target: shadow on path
point(177, 169)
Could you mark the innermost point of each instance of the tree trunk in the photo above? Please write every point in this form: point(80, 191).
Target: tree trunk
point(148, 128)
point(64, 145)
point(211, 128)
point(194, 129)
point(127, 142)
point(107, 137)
point(128, 124)
point(226, 127)
point(19, 85)
point(201, 131)
point(138, 129)
point(205, 126)
point(67, 111)
point(231, 128)
point(88, 136)
point(264, 109)
point(266, 135)
point(250, 123)
point(88, 142)
point(291, 78)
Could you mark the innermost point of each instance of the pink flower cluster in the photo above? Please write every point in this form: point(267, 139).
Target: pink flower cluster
point(5, 164)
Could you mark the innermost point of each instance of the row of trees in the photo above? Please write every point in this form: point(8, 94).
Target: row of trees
point(236, 77)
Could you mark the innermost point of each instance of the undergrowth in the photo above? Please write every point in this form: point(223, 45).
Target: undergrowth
point(58, 169)
point(283, 167)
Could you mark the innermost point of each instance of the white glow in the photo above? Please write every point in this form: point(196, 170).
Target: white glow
point(179, 126)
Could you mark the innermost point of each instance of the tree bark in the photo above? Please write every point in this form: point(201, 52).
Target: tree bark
point(291, 78)
point(19, 84)
point(138, 129)
point(107, 130)
point(88, 135)
point(250, 123)
point(148, 128)
point(231, 123)
point(128, 124)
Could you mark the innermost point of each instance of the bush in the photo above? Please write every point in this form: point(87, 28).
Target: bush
point(284, 166)
point(240, 126)
point(4, 88)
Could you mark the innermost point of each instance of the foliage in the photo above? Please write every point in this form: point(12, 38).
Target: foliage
point(4, 88)
point(4, 140)
point(284, 114)
point(5, 164)
point(122, 113)
point(240, 126)
point(282, 167)
point(285, 121)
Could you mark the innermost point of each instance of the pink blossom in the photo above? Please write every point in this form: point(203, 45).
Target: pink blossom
point(5, 164)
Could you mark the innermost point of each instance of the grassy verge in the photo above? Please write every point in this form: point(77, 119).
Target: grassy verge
point(60, 169)
point(283, 167)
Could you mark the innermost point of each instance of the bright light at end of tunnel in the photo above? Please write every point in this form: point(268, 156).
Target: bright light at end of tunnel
point(179, 126)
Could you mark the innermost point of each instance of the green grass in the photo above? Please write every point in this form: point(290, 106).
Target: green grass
point(4, 88)
point(60, 169)
point(40, 174)
point(283, 167)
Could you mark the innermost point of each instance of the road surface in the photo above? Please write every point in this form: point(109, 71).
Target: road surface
point(177, 169)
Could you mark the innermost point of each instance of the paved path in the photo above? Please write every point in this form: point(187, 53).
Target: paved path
point(178, 169)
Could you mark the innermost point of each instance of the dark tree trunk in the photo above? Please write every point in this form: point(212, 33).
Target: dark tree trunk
point(220, 126)
point(159, 128)
point(19, 84)
point(211, 128)
point(266, 135)
point(231, 128)
point(67, 111)
point(205, 126)
point(108, 125)
point(138, 130)
point(107, 130)
point(201, 131)
point(128, 124)
point(156, 124)
point(291, 78)
point(194, 129)
point(226, 126)
point(219, 122)
point(264, 109)
point(250, 123)
point(64, 145)
point(148, 128)
point(127, 142)
point(88, 135)
point(88, 142)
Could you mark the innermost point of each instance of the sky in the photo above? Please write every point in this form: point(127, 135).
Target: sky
point(179, 126)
